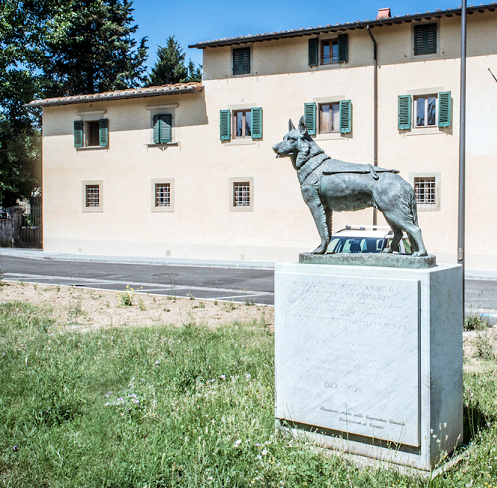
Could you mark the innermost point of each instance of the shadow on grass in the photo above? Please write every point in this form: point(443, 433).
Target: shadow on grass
point(475, 419)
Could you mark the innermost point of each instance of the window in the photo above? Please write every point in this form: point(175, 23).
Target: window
point(91, 133)
point(332, 117)
point(92, 196)
point(162, 128)
point(241, 194)
point(329, 51)
point(162, 195)
point(329, 117)
point(426, 189)
point(243, 124)
point(242, 121)
point(425, 111)
point(241, 61)
point(429, 110)
point(425, 39)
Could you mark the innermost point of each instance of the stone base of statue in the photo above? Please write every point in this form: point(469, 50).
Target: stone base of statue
point(369, 359)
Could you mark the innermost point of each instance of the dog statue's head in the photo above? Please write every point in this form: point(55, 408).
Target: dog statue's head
point(297, 140)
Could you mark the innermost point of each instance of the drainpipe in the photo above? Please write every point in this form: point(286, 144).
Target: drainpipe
point(375, 122)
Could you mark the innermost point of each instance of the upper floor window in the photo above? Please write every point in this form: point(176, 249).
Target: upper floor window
point(242, 120)
point(329, 51)
point(325, 118)
point(241, 61)
point(432, 110)
point(425, 111)
point(425, 39)
point(91, 133)
point(241, 124)
point(162, 128)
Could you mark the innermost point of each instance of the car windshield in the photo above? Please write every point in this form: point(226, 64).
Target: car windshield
point(356, 244)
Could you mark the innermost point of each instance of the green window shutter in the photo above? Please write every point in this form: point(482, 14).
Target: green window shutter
point(78, 133)
point(225, 125)
point(345, 116)
point(241, 61)
point(310, 118)
point(425, 39)
point(444, 109)
point(256, 122)
point(313, 52)
point(405, 112)
point(156, 129)
point(103, 132)
point(165, 130)
point(343, 48)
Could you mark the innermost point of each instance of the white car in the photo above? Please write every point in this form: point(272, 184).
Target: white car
point(365, 239)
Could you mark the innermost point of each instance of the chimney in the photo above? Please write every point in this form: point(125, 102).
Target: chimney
point(384, 13)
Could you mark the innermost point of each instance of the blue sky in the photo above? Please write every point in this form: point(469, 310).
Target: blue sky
point(193, 21)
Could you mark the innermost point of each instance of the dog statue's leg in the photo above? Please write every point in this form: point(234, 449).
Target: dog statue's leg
point(311, 197)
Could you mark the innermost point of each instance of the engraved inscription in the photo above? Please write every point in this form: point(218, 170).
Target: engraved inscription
point(347, 354)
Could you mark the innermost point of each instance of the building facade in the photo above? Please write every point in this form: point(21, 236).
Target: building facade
point(188, 171)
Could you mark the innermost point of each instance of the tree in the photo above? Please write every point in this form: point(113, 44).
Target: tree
point(194, 72)
point(97, 51)
point(170, 66)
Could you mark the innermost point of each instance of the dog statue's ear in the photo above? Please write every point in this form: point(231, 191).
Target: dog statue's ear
point(302, 126)
point(290, 125)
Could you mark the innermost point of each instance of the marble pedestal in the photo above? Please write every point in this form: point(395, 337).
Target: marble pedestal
point(369, 359)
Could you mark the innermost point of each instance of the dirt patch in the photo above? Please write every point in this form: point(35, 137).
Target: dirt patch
point(85, 309)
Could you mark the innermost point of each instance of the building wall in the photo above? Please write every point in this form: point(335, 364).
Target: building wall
point(279, 225)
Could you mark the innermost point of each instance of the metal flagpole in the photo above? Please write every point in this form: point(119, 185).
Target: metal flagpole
point(462, 149)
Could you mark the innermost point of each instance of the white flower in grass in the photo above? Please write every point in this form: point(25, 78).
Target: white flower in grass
point(237, 442)
point(223, 377)
point(248, 376)
point(264, 452)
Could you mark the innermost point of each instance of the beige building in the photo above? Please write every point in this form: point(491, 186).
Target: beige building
point(188, 171)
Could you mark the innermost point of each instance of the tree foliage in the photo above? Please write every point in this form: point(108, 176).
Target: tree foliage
point(54, 48)
point(170, 67)
point(97, 51)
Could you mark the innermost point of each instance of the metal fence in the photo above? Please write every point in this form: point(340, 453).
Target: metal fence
point(22, 227)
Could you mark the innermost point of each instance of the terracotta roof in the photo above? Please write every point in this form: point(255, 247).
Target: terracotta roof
point(152, 91)
point(360, 24)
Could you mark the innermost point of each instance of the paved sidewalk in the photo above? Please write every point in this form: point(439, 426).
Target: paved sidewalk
point(39, 254)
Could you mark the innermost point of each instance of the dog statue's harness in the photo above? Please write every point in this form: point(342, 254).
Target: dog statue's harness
point(332, 167)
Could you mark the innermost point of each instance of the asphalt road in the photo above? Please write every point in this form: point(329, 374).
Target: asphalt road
point(215, 283)
point(236, 284)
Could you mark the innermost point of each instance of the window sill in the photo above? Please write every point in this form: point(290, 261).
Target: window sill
point(332, 136)
point(164, 144)
point(92, 148)
point(93, 209)
point(242, 142)
point(424, 131)
point(428, 208)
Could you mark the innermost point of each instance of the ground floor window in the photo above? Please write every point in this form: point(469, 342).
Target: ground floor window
point(163, 195)
point(329, 117)
point(426, 189)
point(92, 196)
point(242, 194)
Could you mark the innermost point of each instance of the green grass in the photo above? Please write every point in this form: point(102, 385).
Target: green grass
point(176, 407)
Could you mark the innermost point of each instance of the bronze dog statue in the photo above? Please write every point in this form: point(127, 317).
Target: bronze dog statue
point(328, 184)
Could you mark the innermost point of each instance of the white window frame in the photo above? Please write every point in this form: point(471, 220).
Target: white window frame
point(415, 98)
point(163, 208)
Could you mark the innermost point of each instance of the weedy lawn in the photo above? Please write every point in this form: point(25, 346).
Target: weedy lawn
point(188, 406)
